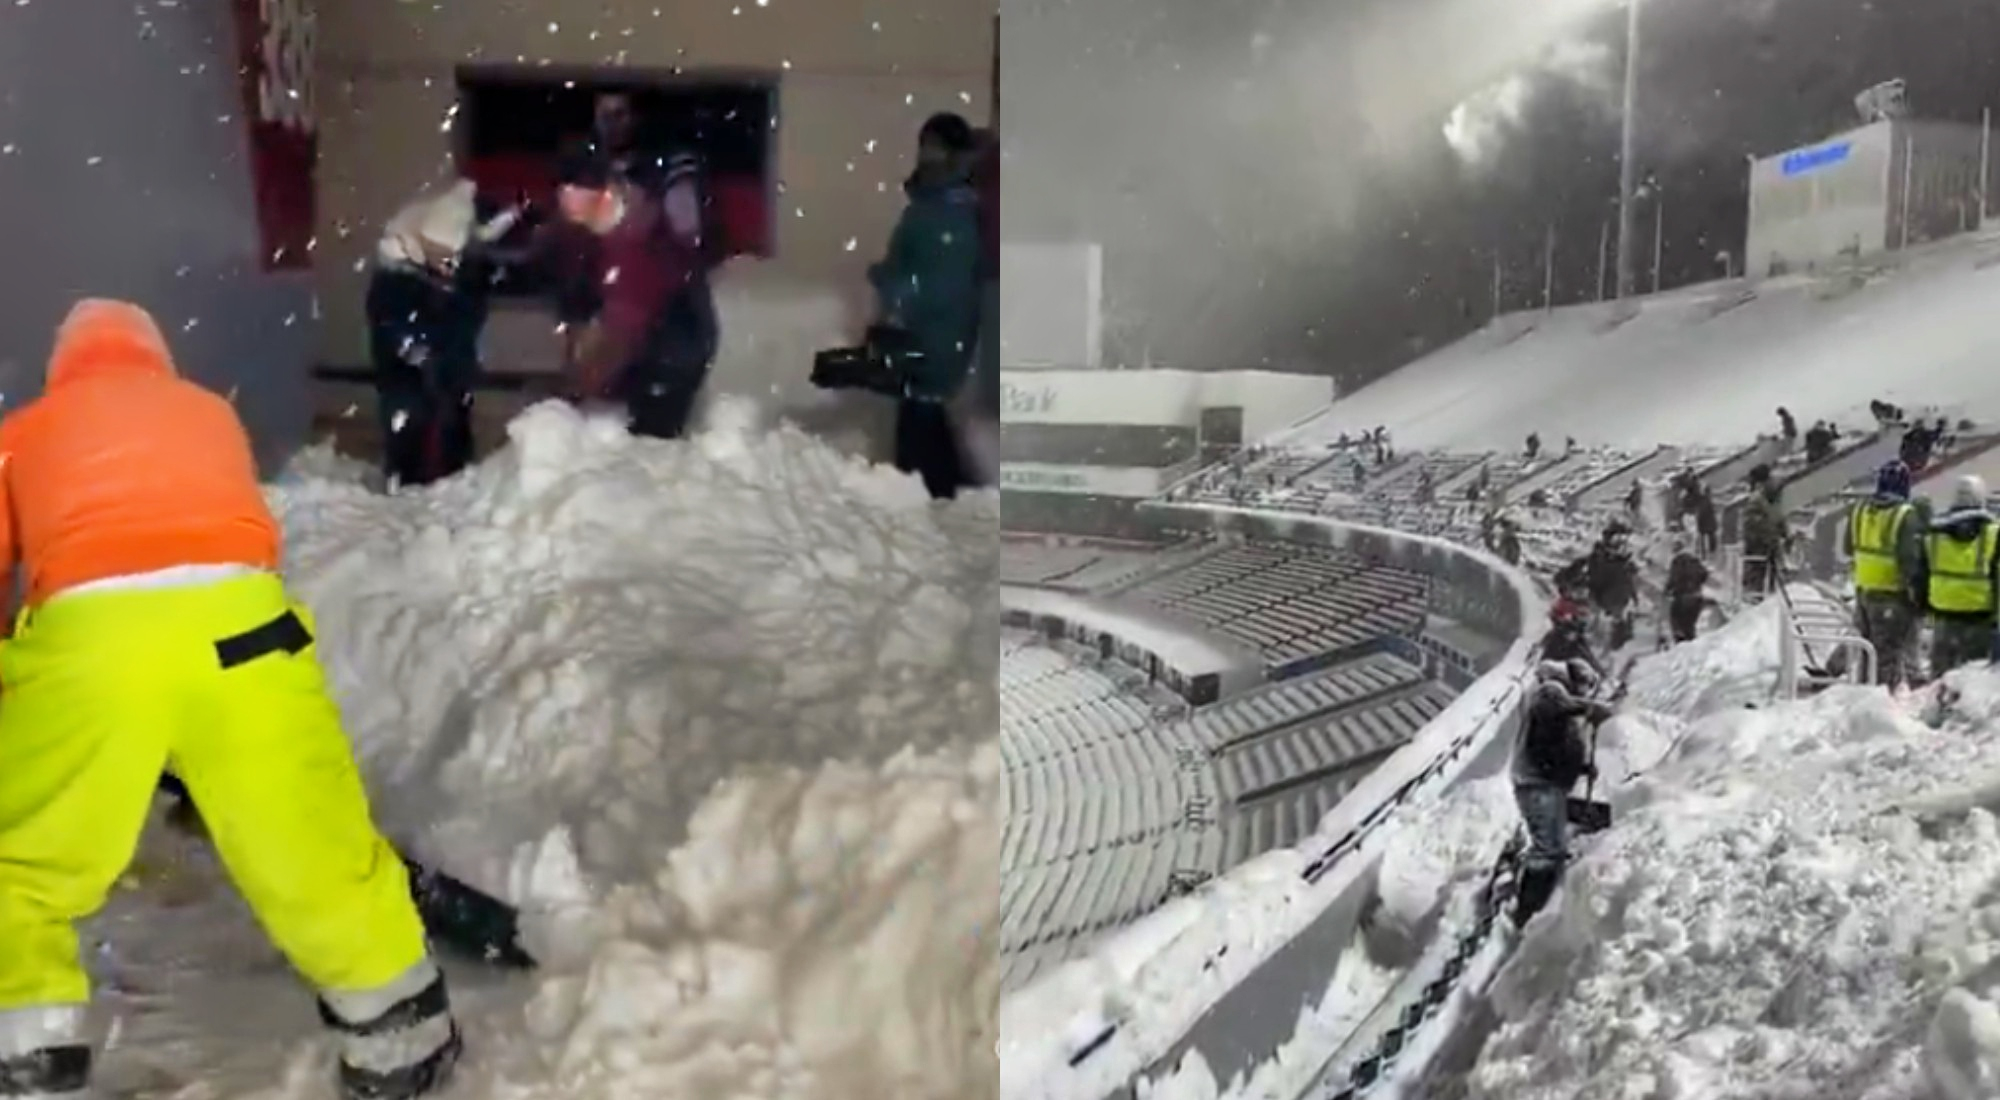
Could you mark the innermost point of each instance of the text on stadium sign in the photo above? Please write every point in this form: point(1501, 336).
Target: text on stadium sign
point(1811, 160)
point(1015, 478)
point(1022, 401)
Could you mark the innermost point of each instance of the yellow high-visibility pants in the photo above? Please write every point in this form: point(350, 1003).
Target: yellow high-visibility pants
point(101, 689)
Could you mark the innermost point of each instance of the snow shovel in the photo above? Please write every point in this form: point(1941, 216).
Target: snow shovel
point(460, 918)
point(468, 921)
point(1585, 814)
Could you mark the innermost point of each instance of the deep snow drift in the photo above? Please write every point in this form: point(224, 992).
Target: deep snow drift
point(1705, 365)
point(1799, 899)
point(718, 714)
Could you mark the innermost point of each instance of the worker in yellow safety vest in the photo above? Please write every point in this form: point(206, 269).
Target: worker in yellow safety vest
point(1885, 536)
point(1962, 553)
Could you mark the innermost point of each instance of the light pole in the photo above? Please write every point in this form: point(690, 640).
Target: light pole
point(1627, 155)
point(1659, 231)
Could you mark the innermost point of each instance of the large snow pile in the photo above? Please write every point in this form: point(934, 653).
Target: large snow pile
point(719, 715)
point(1798, 901)
point(1705, 364)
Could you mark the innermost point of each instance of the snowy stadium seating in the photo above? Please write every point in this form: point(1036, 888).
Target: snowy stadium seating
point(1111, 810)
point(1290, 602)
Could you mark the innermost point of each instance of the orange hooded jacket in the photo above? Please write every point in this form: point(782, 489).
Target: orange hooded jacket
point(121, 467)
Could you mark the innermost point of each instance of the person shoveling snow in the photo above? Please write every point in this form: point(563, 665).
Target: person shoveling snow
point(156, 632)
point(1548, 760)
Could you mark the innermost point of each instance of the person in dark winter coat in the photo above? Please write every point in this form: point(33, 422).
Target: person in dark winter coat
point(1962, 558)
point(1507, 541)
point(1687, 594)
point(1918, 444)
point(1885, 538)
point(928, 285)
point(1707, 526)
point(1614, 581)
point(1788, 428)
point(1551, 754)
point(1765, 536)
point(637, 346)
point(1534, 446)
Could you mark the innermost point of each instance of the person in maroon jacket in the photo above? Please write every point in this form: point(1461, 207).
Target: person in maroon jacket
point(627, 351)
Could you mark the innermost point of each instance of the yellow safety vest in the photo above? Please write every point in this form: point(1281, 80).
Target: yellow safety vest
point(1962, 572)
point(1873, 532)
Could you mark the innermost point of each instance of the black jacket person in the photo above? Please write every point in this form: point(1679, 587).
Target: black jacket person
point(1550, 754)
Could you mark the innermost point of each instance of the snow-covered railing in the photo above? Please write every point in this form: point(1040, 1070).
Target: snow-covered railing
point(1222, 972)
point(1817, 642)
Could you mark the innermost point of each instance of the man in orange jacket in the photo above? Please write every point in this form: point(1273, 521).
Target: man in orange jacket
point(156, 634)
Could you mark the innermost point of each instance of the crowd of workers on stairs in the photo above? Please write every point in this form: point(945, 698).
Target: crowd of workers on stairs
point(1914, 569)
point(626, 261)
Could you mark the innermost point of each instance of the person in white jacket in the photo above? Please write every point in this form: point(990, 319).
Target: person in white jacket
point(426, 306)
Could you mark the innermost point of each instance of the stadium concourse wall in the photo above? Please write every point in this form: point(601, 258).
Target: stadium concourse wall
point(1225, 972)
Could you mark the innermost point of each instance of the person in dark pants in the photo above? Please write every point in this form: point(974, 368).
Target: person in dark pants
point(928, 283)
point(636, 347)
point(426, 305)
point(1550, 755)
point(661, 389)
point(1687, 594)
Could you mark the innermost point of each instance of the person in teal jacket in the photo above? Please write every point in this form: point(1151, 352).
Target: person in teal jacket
point(928, 286)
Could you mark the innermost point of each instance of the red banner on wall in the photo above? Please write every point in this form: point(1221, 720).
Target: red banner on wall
point(275, 41)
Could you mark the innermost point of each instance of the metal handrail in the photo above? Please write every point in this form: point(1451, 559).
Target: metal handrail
point(1796, 633)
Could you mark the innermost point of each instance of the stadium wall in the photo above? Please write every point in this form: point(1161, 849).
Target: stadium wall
point(126, 151)
point(1225, 971)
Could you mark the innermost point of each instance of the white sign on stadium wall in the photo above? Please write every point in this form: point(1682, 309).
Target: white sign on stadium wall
point(275, 46)
point(1026, 402)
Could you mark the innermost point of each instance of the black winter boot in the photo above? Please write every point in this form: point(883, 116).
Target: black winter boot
point(395, 1044)
point(51, 1073)
point(1537, 886)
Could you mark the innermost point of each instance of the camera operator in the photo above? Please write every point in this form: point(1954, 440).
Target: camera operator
point(928, 283)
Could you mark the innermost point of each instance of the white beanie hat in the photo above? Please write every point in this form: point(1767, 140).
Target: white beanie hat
point(1970, 492)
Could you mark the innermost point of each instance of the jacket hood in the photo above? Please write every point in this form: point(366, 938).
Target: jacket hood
point(101, 337)
point(1962, 524)
point(955, 188)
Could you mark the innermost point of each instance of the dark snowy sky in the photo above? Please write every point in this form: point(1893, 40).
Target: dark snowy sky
point(1273, 183)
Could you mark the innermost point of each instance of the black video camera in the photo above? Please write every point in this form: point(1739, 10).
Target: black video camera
point(883, 363)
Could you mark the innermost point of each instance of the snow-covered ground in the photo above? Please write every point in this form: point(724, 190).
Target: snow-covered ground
point(1709, 364)
point(1798, 900)
point(719, 715)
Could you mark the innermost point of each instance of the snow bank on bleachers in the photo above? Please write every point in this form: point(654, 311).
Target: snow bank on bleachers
point(1145, 992)
point(1191, 654)
point(1705, 364)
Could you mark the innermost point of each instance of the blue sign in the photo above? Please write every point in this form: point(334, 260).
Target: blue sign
point(1812, 160)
